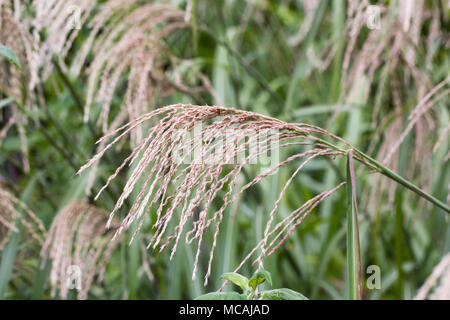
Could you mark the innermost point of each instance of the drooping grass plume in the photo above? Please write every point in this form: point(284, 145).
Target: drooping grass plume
point(390, 81)
point(78, 240)
point(12, 210)
point(437, 286)
point(171, 180)
point(125, 39)
point(390, 61)
point(135, 48)
point(56, 25)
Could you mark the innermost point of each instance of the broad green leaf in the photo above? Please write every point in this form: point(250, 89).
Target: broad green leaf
point(236, 278)
point(222, 296)
point(282, 294)
point(9, 55)
point(259, 278)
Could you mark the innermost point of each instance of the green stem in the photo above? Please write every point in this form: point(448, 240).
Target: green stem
point(374, 164)
point(353, 251)
point(396, 177)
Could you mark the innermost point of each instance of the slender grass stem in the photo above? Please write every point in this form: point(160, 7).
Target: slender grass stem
point(353, 250)
point(396, 177)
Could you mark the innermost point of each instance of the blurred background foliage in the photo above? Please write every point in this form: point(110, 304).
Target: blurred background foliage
point(286, 59)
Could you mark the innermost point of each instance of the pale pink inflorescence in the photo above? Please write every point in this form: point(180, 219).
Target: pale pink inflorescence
point(126, 40)
point(60, 21)
point(382, 43)
point(136, 48)
point(78, 239)
point(176, 188)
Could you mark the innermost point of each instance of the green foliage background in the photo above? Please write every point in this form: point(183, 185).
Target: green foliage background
point(243, 47)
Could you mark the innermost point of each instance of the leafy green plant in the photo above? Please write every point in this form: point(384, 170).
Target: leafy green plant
point(250, 290)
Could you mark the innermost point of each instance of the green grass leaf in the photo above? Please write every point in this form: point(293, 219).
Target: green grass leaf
point(7, 262)
point(9, 55)
point(353, 251)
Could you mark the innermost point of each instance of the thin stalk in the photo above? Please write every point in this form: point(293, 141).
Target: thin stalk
point(396, 177)
point(339, 30)
point(52, 141)
point(374, 164)
point(353, 251)
point(64, 134)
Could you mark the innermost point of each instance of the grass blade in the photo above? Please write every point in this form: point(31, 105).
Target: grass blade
point(7, 262)
point(353, 252)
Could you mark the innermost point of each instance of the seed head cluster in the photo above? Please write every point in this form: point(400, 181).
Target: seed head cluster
point(175, 190)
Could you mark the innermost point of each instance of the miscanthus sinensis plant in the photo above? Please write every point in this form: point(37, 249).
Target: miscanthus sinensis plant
point(180, 165)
